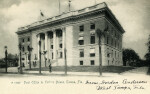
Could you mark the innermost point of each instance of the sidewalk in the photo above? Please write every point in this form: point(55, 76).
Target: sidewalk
point(138, 71)
point(72, 73)
point(14, 70)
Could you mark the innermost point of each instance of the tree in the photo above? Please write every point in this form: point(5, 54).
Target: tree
point(2, 63)
point(12, 59)
point(147, 55)
point(130, 57)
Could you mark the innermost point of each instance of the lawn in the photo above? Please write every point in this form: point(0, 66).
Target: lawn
point(112, 69)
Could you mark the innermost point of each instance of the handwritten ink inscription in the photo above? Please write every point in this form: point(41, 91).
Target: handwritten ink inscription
point(100, 85)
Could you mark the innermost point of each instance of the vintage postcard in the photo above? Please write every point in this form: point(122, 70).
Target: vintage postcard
point(74, 47)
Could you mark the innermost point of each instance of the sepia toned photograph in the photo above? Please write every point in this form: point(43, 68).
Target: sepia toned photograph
point(74, 46)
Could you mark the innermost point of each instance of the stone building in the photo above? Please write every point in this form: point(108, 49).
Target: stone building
point(75, 31)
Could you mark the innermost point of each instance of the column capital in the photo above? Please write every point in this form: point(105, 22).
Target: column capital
point(37, 34)
point(63, 28)
point(53, 30)
point(45, 33)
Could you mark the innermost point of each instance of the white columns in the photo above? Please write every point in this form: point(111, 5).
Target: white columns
point(38, 39)
point(27, 60)
point(54, 45)
point(46, 40)
point(63, 41)
point(48, 48)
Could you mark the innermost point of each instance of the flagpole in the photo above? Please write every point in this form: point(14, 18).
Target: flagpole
point(69, 4)
point(59, 6)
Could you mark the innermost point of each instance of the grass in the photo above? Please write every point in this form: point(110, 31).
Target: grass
point(111, 69)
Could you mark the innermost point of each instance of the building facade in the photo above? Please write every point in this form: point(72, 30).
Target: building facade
point(74, 33)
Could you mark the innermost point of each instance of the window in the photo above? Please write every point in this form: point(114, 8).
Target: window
point(81, 28)
point(22, 40)
point(51, 36)
point(92, 39)
point(112, 53)
point(60, 34)
point(81, 41)
point(112, 32)
point(92, 26)
point(28, 57)
point(81, 62)
point(23, 59)
point(51, 46)
point(115, 43)
point(60, 54)
point(23, 49)
point(107, 40)
point(81, 53)
point(92, 52)
point(112, 60)
point(112, 41)
point(60, 45)
point(108, 54)
point(92, 62)
point(117, 36)
point(115, 54)
point(28, 48)
point(115, 33)
point(118, 45)
point(28, 39)
point(52, 55)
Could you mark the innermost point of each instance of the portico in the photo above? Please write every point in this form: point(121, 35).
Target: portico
point(53, 43)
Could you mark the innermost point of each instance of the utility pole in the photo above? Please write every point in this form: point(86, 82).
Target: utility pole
point(100, 57)
point(65, 50)
point(100, 33)
point(40, 56)
point(65, 61)
point(6, 57)
point(20, 59)
point(30, 49)
point(26, 57)
point(44, 53)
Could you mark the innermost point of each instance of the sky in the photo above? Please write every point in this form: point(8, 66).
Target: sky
point(133, 15)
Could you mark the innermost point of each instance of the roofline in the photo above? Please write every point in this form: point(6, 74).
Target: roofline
point(70, 15)
point(114, 17)
point(64, 15)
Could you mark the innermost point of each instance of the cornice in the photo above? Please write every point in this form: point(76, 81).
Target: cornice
point(64, 17)
point(70, 18)
point(112, 17)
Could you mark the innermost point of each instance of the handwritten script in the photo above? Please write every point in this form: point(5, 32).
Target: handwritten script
point(124, 84)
